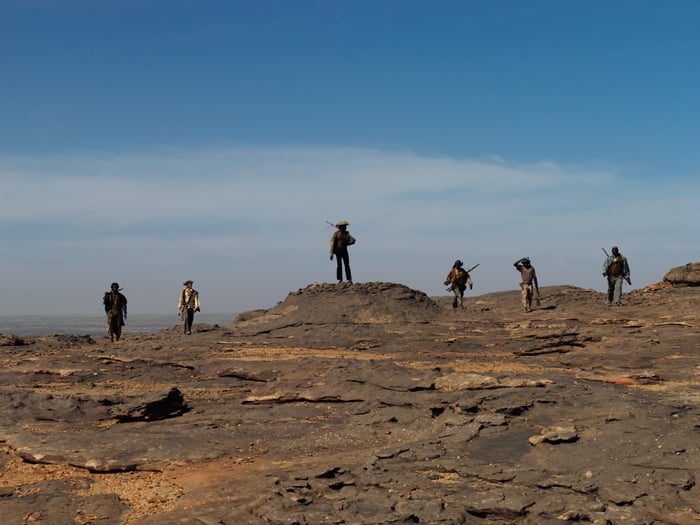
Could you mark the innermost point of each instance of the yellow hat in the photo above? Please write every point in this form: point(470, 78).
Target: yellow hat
point(342, 223)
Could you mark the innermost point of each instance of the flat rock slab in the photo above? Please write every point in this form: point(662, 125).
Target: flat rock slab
point(370, 403)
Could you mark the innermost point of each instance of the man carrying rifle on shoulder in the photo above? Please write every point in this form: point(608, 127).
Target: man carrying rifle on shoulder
point(616, 268)
point(459, 279)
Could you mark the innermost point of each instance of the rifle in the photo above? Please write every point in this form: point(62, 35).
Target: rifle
point(606, 255)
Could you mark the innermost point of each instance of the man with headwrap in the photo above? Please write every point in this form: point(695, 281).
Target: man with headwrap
point(459, 278)
point(616, 268)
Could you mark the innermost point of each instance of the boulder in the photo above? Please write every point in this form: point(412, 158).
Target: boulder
point(688, 275)
point(11, 340)
point(157, 407)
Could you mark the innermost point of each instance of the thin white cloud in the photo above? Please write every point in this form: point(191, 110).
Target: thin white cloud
point(161, 185)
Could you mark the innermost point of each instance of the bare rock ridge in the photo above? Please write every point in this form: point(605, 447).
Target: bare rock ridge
point(378, 303)
point(328, 304)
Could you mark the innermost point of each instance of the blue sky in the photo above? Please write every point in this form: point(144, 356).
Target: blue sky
point(149, 142)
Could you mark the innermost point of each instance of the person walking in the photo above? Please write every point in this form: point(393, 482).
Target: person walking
point(459, 279)
point(528, 280)
point(616, 269)
point(115, 308)
point(188, 305)
point(340, 240)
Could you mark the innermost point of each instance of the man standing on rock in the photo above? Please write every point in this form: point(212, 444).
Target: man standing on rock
point(459, 278)
point(340, 240)
point(188, 305)
point(115, 308)
point(615, 268)
point(528, 279)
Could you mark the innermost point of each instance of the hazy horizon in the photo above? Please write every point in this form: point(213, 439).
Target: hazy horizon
point(98, 313)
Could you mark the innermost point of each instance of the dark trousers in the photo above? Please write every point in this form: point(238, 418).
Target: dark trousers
point(342, 258)
point(114, 325)
point(187, 318)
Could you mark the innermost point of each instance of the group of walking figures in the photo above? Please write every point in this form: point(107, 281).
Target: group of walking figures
point(115, 301)
point(458, 279)
point(615, 268)
point(115, 307)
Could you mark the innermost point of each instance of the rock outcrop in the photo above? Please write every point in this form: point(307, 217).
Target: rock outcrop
point(688, 275)
point(374, 303)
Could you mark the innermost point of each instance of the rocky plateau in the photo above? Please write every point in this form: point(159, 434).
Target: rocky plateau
point(369, 403)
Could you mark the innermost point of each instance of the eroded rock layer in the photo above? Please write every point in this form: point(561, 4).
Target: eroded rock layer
point(365, 404)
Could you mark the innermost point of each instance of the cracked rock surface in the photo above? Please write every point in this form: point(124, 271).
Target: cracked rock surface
point(365, 404)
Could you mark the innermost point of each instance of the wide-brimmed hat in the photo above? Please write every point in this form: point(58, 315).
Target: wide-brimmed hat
point(342, 223)
point(189, 281)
